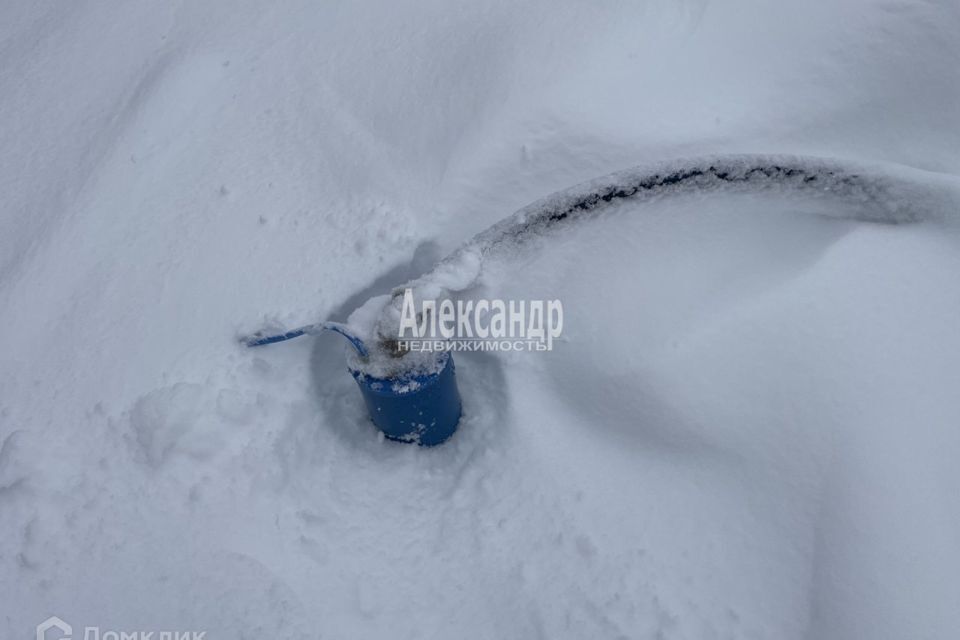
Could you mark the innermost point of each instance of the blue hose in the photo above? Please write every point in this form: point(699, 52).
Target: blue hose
point(258, 339)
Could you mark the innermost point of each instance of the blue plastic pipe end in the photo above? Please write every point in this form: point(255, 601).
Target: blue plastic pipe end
point(424, 409)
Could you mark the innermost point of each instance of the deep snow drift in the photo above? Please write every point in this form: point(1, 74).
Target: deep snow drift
point(749, 429)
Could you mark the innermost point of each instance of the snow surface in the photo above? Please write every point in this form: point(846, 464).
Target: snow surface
point(749, 429)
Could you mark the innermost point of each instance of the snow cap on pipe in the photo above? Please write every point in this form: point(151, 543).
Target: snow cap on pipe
point(411, 396)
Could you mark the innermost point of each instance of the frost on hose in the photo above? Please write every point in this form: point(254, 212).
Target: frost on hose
point(384, 361)
point(870, 193)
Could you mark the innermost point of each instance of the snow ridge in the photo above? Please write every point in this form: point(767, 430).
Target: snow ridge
point(891, 195)
point(885, 194)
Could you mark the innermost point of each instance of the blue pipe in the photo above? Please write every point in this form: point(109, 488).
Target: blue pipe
point(421, 408)
point(416, 407)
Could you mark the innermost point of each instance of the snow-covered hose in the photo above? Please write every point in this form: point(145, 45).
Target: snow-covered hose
point(890, 194)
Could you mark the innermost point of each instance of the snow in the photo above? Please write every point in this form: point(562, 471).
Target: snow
point(747, 430)
point(863, 193)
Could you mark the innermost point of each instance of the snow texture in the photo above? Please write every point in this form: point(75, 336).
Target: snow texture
point(748, 428)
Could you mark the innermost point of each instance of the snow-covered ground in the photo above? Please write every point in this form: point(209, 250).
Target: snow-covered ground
point(750, 427)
